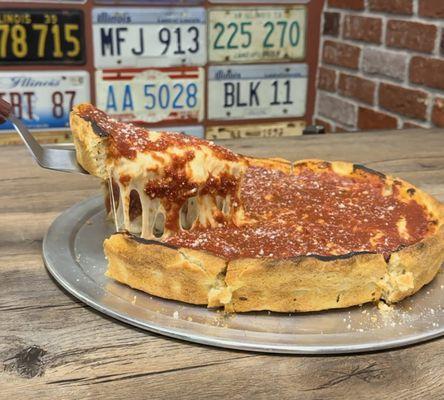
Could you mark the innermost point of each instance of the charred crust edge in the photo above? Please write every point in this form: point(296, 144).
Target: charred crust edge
point(145, 241)
point(275, 260)
point(368, 170)
point(97, 130)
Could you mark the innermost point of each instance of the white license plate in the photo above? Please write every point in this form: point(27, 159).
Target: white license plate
point(43, 100)
point(257, 91)
point(154, 37)
point(257, 34)
point(152, 94)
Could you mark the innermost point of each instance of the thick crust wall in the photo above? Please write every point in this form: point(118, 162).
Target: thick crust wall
point(179, 274)
point(293, 285)
point(304, 283)
point(90, 147)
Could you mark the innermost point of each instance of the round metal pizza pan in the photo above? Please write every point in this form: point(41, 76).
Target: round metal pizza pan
point(72, 251)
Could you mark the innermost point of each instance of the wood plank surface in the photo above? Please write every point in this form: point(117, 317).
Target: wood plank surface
point(54, 347)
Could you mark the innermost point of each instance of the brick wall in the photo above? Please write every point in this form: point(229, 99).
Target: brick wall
point(381, 65)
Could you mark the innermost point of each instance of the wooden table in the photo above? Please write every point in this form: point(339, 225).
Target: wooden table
point(54, 347)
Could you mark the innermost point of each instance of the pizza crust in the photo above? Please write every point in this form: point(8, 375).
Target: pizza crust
point(300, 284)
point(307, 283)
point(180, 274)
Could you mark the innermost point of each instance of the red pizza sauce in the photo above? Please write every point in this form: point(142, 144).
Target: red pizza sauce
point(317, 213)
point(126, 139)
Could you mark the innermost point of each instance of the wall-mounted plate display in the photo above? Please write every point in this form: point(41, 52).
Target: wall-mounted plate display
point(256, 34)
point(257, 91)
point(42, 36)
point(153, 94)
point(43, 100)
point(142, 37)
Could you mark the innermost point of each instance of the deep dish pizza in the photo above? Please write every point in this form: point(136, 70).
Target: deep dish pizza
point(201, 224)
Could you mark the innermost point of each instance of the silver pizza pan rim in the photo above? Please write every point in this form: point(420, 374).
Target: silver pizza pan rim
point(59, 259)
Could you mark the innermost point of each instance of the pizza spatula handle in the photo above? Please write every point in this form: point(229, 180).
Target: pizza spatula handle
point(5, 110)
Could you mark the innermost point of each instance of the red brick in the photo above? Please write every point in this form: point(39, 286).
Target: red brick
point(328, 127)
point(411, 125)
point(344, 55)
point(427, 71)
point(357, 88)
point(370, 119)
point(349, 4)
point(327, 79)
point(408, 102)
point(411, 35)
point(331, 23)
point(438, 112)
point(431, 8)
point(363, 28)
point(404, 7)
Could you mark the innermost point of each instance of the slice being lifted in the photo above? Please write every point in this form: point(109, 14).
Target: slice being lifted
point(253, 234)
point(163, 182)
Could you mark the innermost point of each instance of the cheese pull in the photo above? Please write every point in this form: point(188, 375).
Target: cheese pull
point(162, 182)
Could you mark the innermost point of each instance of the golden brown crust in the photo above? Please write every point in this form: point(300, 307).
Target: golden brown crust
point(90, 148)
point(178, 274)
point(304, 283)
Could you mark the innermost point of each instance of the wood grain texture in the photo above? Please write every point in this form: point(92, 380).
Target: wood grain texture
point(53, 346)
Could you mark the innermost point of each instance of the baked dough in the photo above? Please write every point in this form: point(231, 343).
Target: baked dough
point(302, 283)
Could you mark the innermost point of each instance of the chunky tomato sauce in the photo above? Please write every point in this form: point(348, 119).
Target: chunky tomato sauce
point(320, 213)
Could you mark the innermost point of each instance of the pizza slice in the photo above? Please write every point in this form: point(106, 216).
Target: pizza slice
point(162, 182)
point(268, 235)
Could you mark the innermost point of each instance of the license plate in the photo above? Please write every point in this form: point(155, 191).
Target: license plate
point(257, 34)
point(43, 99)
point(152, 94)
point(193, 130)
point(155, 37)
point(257, 91)
point(41, 36)
point(273, 129)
